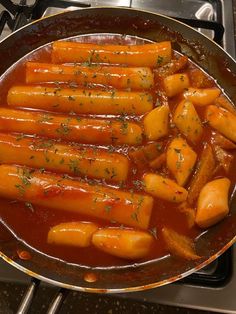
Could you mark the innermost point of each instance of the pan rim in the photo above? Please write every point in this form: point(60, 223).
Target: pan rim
point(137, 287)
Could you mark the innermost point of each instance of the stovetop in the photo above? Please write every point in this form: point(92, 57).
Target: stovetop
point(212, 288)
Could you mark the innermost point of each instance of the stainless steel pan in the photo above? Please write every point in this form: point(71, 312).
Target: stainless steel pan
point(203, 52)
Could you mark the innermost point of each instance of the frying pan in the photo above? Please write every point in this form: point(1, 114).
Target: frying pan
point(205, 53)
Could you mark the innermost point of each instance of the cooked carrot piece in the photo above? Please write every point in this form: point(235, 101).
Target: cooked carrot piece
point(224, 158)
point(176, 84)
point(180, 160)
point(59, 193)
point(223, 142)
point(212, 204)
point(70, 128)
point(50, 155)
point(204, 172)
point(202, 96)
point(150, 55)
point(187, 121)
point(79, 101)
point(179, 244)
point(173, 66)
point(118, 77)
point(222, 101)
point(158, 162)
point(199, 79)
point(78, 234)
point(124, 243)
point(223, 121)
point(156, 123)
point(164, 188)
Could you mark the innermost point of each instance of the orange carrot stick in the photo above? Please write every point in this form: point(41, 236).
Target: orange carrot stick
point(70, 128)
point(50, 155)
point(80, 101)
point(52, 191)
point(149, 55)
point(118, 77)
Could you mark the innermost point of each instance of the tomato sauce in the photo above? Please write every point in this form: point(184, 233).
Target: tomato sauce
point(32, 223)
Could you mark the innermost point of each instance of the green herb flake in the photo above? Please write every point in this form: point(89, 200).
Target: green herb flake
point(159, 60)
point(71, 98)
point(108, 208)
point(45, 118)
point(30, 206)
point(20, 137)
point(153, 232)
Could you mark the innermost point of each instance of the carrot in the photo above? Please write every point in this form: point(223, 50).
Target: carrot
point(78, 234)
point(223, 121)
point(213, 203)
point(176, 84)
point(204, 172)
point(118, 77)
point(59, 193)
point(124, 243)
point(79, 101)
point(164, 188)
point(70, 128)
point(202, 96)
point(149, 55)
point(179, 244)
point(54, 156)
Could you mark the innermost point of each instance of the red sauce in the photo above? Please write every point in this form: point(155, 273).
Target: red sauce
point(32, 224)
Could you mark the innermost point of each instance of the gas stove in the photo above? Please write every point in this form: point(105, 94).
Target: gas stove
point(212, 288)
